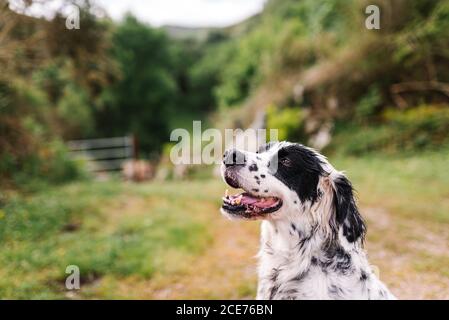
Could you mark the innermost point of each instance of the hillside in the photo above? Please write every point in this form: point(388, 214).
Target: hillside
point(311, 67)
point(318, 62)
point(182, 33)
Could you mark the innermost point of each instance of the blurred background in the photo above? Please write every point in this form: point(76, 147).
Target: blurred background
point(86, 115)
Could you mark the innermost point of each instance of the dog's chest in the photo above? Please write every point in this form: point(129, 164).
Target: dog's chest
point(295, 276)
point(287, 282)
point(296, 279)
point(287, 285)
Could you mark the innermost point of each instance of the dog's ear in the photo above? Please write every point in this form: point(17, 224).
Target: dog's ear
point(347, 214)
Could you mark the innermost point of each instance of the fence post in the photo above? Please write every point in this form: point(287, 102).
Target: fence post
point(135, 143)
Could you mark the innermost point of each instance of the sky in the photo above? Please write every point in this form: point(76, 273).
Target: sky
point(187, 13)
point(190, 13)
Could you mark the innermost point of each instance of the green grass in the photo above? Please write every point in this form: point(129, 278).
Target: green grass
point(415, 186)
point(43, 233)
point(127, 238)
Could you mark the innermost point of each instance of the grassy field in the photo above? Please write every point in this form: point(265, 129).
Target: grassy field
point(168, 240)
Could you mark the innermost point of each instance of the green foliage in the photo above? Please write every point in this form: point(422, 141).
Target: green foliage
point(48, 87)
point(205, 73)
point(141, 100)
point(325, 45)
point(243, 69)
point(288, 34)
point(356, 140)
point(366, 107)
point(421, 127)
point(116, 79)
point(30, 153)
point(288, 122)
point(417, 129)
point(425, 34)
point(75, 111)
point(49, 165)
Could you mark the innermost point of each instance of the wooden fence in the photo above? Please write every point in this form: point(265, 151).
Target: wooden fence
point(106, 154)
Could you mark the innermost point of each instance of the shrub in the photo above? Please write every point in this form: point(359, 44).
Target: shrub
point(357, 140)
point(49, 164)
point(422, 128)
point(367, 105)
point(288, 122)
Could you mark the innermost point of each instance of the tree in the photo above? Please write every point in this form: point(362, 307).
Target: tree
point(140, 101)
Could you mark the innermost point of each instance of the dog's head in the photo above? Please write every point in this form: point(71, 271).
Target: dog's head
point(292, 182)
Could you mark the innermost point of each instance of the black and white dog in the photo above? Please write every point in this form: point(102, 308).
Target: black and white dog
point(312, 232)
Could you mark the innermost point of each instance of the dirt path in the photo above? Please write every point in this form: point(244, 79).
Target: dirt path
point(225, 270)
point(412, 257)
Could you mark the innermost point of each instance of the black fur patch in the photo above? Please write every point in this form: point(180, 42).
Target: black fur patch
point(304, 172)
point(335, 291)
point(253, 167)
point(346, 211)
point(274, 275)
point(273, 291)
point(363, 276)
point(289, 294)
point(337, 259)
point(300, 277)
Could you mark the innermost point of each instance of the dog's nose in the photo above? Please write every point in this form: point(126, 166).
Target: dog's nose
point(234, 157)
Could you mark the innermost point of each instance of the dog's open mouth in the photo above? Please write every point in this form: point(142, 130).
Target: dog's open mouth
point(250, 206)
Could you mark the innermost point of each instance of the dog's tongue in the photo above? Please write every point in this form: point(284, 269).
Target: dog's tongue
point(259, 202)
point(249, 199)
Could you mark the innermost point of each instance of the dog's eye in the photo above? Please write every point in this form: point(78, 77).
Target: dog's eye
point(286, 162)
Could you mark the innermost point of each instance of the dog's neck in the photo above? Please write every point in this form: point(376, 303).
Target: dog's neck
point(296, 240)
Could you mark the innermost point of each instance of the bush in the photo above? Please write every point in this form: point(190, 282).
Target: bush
point(288, 122)
point(422, 128)
point(367, 105)
point(49, 164)
point(357, 140)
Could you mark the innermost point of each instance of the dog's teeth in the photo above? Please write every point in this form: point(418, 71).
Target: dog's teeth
point(239, 199)
point(227, 193)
